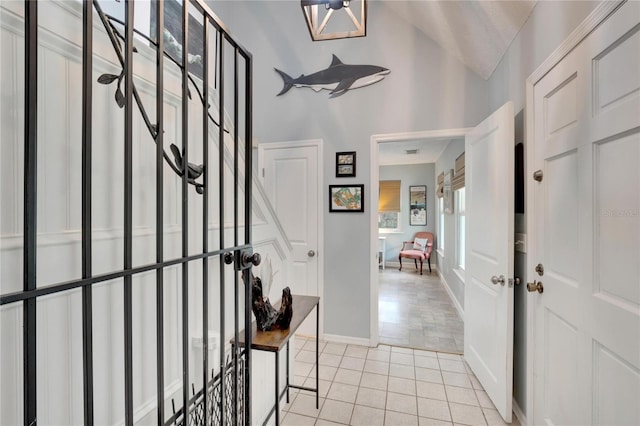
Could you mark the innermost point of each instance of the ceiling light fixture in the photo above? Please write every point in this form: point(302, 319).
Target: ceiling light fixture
point(349, 18)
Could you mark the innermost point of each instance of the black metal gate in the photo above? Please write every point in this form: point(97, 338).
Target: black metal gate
point(214, 69)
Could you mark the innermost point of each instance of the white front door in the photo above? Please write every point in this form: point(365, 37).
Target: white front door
point(488, 295)
point(290, 173)
point(587, 230)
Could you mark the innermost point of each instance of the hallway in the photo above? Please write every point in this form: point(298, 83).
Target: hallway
point(416, 311)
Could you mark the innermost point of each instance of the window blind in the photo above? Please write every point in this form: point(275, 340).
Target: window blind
point(389, 199)
point(458, 178)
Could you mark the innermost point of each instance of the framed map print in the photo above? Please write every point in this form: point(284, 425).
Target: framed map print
point(346, 198)
point(418, 205)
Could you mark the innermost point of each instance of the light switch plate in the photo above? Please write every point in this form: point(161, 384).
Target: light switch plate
point(521, 242)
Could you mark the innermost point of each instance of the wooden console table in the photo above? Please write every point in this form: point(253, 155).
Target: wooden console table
point(274, 341)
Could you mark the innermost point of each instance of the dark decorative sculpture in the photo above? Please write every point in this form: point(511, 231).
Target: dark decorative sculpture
point(267, 317)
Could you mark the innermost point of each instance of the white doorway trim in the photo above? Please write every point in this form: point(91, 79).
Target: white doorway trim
point(595, 18)
point(373, 207)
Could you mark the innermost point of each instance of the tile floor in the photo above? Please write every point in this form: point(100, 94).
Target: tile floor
point(387, 385)
point(416, 311)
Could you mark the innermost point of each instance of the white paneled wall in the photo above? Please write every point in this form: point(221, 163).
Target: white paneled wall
point(59, 318)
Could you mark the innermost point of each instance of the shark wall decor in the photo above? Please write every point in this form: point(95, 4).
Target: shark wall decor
point(338, 78)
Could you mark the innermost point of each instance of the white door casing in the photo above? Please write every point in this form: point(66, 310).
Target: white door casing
point(488, 306)
point(291, 175)
point(586, 218)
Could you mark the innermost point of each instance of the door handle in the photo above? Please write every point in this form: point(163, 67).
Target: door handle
point(498, 280)
point(535, 286)
point(311, 253)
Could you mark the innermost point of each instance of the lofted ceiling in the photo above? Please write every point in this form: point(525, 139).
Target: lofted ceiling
point(477, 32)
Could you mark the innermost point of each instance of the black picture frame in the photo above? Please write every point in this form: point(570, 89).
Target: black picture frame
point(346, 164)
point(346, 198)
point(418, 205)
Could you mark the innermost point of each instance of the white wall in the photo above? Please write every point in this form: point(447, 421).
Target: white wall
point(426, 90)
point(447, 257)
point(409, 174)
point(549, 24)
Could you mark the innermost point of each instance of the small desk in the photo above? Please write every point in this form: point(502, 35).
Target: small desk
point(274, 341)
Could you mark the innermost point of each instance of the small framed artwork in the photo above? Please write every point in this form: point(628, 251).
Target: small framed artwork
point(346, 198)
point(418, 205)
point(346, 164)
point(447, 192)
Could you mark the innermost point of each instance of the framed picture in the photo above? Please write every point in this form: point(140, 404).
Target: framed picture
point(418, 205)
point(447, 192)
point(346, 164)
point(346, 198)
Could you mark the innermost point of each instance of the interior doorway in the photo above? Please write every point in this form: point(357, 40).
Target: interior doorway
point(408, 308)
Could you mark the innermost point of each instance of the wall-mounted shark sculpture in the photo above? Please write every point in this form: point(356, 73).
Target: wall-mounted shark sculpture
point(339, 78)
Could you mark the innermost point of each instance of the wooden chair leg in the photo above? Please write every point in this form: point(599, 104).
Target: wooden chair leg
point(429, 260)
point(400, 260)
point(420, 266)
point(415, 262)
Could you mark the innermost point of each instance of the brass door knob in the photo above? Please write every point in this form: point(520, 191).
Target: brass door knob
point(535, 286)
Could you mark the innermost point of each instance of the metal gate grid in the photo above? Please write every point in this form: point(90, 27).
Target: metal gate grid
point(204, 406)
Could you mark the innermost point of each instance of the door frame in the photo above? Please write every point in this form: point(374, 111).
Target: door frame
point(595, 18)
point(374, 173)
point(318, 143)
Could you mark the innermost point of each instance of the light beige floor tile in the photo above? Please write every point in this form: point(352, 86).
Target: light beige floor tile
point(356, 351)
point(393, 418)
point(431, 390)
point(330, 359)
point(336, 411)
point(405, 371)
point(306, 405)
point(428, 375)
point(372, 398)
point(456, 379)
point(301, 368)
point(444, 355)
point(401, 350)
point(467, 414)
point(310, 345)
point(462, 395)
point(427, 362)
point(433, 409)
point(385, 348)
point(306, 356)
point(484, 400)
point(433, 422)
point(323, 422)
point(352, 363)
point(402, 385)
point(374, 381)
point(326, 372)
point(324, 386)
point(453, 366)
point(402, 403)
point(420, 352)
point(367, 416)
point(378, 355)
point(475, 383)
point(335, 348)
point(401, 358)
point(298, 380)
point(293, 419)
point(378, 367)
point(342, 392)
point(349, 377)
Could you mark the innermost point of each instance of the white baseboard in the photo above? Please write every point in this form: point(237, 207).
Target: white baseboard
point(519, 414)
point(360, 341)
point(455, 302)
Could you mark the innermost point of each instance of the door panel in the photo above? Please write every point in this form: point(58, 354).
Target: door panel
point(587, 236)
point(488, 331)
